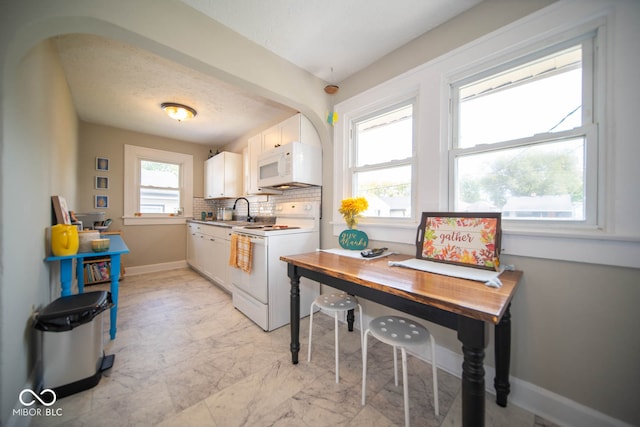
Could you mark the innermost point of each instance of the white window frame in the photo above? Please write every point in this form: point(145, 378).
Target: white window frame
point(615, 240)
point(384, 228)
point(589, 129)
point(133, 155)
point(409, 161)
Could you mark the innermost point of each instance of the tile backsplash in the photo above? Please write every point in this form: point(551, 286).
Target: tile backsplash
point(261, 205)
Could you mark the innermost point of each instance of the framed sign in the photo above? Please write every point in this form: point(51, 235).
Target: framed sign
point(469, 239)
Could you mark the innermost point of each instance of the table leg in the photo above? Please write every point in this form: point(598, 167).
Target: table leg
point(66, 275)
point(350, 318)
point(115, 277)
point(503, 357)
point(80, 275)
point(473, 336)
point(295, 313)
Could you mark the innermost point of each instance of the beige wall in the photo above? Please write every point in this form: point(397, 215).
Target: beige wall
point(149, 244)
point(575, 333)
point(39, 159)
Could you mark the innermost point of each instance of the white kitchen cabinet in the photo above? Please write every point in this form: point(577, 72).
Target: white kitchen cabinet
point(218, 241)
point(193, 234)
point(223, 176)
point(208, 250)
point(195, 251)
point(254, 148)
point(295, 128)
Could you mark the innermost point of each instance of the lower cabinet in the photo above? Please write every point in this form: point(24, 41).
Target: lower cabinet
point(208, 249)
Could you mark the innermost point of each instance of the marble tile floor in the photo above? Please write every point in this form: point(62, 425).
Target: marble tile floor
point(185, 357)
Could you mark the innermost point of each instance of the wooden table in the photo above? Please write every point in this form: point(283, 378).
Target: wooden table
point(465, 306)
point(117, 247)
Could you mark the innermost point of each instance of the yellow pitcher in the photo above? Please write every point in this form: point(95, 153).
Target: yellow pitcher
point(64, 240)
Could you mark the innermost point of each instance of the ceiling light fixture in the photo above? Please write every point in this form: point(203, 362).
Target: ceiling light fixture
point(178, 112)
point(331, 88)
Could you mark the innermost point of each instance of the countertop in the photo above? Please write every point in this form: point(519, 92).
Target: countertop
point(229, 224)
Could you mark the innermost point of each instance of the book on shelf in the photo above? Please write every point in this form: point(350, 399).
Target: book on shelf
point(98, 271)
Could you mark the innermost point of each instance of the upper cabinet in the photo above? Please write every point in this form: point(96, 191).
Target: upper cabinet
point(223, 176)
point(254, 148)
point(296, 128)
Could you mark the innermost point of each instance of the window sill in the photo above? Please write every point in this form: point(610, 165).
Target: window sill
point(154, 220)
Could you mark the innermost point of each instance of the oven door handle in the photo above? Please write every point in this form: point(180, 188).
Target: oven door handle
point(254, 239)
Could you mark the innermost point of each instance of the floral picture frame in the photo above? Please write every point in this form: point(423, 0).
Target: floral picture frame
point(470, 239)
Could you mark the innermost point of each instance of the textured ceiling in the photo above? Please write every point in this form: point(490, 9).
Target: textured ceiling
point(119, 85)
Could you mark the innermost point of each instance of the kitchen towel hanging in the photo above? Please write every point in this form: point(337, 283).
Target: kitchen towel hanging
point(241, 252)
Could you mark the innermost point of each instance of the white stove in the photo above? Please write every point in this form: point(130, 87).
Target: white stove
point(263, 294)
point(291, 218)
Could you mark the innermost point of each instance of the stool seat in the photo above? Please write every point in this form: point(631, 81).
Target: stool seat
point(334, 303)
point(398, 331)
point(403, 333)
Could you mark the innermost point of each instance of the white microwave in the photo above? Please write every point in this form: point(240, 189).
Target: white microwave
point(290, 165)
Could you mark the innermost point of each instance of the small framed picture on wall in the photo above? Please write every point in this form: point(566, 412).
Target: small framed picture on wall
point(101, 202)
point(102, 164)
point(102, 183)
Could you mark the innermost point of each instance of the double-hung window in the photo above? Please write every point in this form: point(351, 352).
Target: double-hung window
point(524, 138)
point(158, 185)
point(382, 160)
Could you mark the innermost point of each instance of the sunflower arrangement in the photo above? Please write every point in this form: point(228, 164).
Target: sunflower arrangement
point(351, 208)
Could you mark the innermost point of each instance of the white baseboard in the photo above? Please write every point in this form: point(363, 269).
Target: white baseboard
point(154, 268)
point(537, 400)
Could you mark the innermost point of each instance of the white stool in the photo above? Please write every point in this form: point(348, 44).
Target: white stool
point(404, 333)
point(336, 303)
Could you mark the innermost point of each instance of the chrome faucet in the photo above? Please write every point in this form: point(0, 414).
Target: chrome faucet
point(249, 217)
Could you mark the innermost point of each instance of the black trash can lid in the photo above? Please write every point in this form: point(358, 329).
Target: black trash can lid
point(67, 312)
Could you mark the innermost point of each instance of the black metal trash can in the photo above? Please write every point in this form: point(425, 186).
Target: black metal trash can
point(72, 345)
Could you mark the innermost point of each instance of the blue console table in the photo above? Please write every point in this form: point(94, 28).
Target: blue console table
point(117, 247)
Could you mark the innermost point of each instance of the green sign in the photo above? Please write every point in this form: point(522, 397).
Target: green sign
point(353, 239)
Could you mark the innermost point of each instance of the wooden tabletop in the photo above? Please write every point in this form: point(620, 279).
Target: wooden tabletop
point(465, 297)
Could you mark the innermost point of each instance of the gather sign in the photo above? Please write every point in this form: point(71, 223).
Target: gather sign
point(471, 239)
